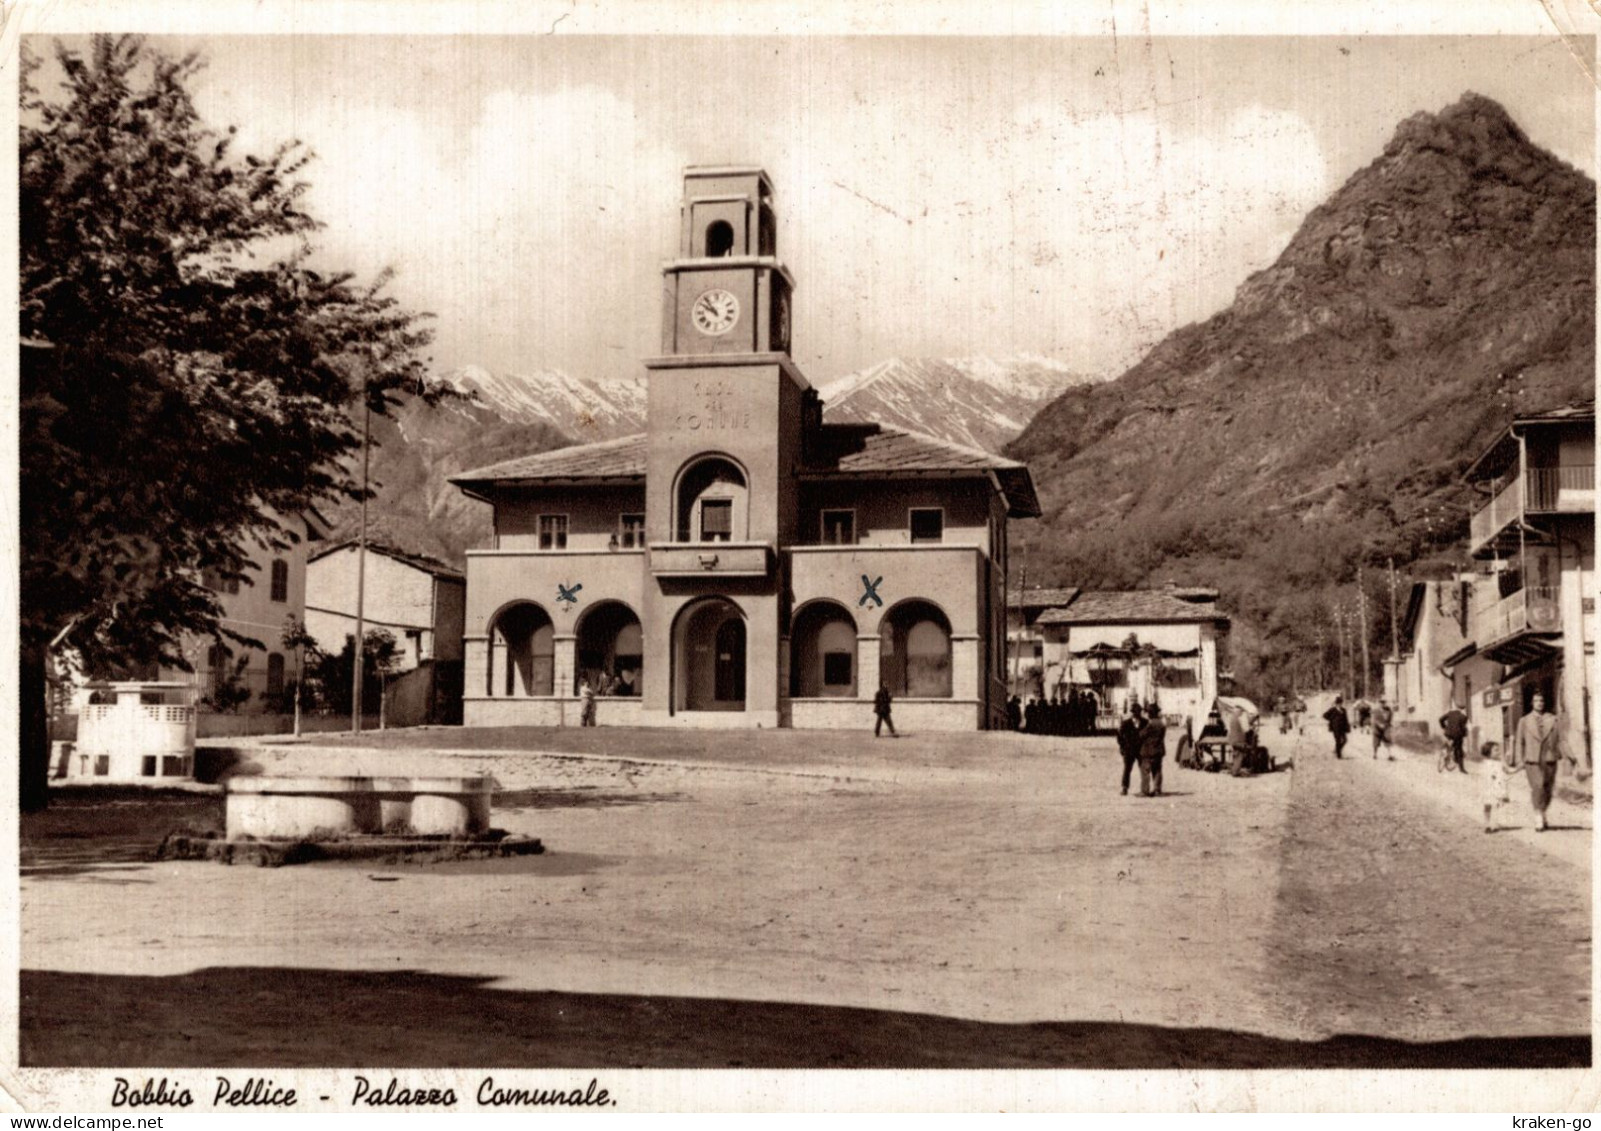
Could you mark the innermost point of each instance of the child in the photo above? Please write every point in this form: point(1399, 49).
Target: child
point(1495, 786)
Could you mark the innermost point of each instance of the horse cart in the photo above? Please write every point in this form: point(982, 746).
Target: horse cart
point(1229, 741)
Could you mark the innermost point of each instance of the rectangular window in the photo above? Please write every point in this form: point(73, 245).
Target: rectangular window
point(928, 524)
point(839, 528)
point(633, 531)
point(280, 580)
point(716, 520)
point(836, 669)
point(552, 532)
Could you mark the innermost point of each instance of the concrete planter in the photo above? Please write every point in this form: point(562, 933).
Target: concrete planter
point(269, 808)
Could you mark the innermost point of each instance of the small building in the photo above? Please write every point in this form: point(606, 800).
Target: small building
point(418, 599)
point(1167, 646)
point(1431, 630)
point(741, 563)
point(132, 731)
point(1532, 617)
point(1025, 640)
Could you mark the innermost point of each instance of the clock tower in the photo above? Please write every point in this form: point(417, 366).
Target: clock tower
point(725, 411)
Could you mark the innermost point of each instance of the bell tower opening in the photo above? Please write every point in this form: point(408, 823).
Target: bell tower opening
point(719, 239)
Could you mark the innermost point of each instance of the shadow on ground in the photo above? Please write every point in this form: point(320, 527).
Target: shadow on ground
point(282, 1017)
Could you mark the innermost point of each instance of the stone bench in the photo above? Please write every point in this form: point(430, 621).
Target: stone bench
point(286, 808)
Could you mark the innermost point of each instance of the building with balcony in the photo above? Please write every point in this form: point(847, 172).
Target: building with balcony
point(1531, 622)
point(741, 563)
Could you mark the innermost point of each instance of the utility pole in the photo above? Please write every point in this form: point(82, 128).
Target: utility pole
point(1395, 628)
point(361, 568)
point(1362, 611)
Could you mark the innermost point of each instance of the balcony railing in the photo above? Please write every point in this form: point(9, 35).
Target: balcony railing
point(1539, 490)
point(1528, 610)
point(1551, 489)
point(1504, 507)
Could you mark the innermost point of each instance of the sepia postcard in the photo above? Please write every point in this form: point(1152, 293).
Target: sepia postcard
point(944, 557)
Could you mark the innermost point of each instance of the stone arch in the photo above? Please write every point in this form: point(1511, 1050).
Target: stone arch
point(709, 654)
point(610, 648)
point(522, 637)
point(711, 496)
point(719, 239)
point(914, 650)
point(822, 649)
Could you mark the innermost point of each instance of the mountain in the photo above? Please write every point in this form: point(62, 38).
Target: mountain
point(1321, 423)
point(977, 401)
point(583, 408)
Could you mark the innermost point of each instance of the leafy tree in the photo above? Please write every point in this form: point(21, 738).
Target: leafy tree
point(334, 673)
point(188, 378)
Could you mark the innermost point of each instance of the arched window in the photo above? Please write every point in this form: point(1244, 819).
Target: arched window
point(719, 239)
point(526, 641)
point(275, 673)
point(823, 653)
point(711, 502)
point(915, 651)
point(280, 580)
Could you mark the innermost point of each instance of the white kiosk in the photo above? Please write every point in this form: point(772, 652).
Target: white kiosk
point(135, 731)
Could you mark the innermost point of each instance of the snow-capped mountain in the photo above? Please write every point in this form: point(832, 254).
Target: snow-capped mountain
point(583, 408)
point(979, 401)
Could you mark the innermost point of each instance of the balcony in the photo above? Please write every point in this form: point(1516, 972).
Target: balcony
point(716, 559)
point(1532, 610)
point(1569, 489)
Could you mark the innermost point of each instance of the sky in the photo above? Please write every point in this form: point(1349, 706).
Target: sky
point(1075, 198)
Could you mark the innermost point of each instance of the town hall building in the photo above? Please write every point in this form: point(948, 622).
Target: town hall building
point(741, 563)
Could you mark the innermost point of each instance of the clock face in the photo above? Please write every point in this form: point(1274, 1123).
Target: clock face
point(715, 312)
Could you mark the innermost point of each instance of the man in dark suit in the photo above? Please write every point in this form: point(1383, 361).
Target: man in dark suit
point(1128, 741)
point(1153, 748)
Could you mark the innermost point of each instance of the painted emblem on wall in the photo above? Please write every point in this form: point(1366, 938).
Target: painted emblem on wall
point(567, 595)
point(870, 592)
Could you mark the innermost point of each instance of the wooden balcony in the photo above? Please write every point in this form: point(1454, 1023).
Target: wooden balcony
point(1569, 489)
point(1532, 610)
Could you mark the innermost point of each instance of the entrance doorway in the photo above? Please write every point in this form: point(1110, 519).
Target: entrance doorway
point(711, 657)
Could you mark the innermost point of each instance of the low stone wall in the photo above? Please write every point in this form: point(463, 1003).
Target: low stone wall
point(908, 714)
point(548, 711)
point(211, 725)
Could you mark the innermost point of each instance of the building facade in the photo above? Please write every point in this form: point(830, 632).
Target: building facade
point(741, 563)
point(259, 610)
point(1432, 630)
point(1164, 646)
point(1531, 623)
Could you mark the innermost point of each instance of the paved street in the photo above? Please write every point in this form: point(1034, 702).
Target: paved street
point(943, 900)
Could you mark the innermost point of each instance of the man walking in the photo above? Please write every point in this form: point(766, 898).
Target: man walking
point(1454, 726)
point(1382, 718)
point(1339, 724)
point(1536, 747)
point(881, 702)
point(1153, 748)
point(1128, 741)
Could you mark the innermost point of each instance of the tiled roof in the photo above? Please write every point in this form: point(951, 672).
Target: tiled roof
point(416, 561)
point(869, 450)
point(1043, 598)
point(1130, 606)
point(850, 450)
point(609, 459)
